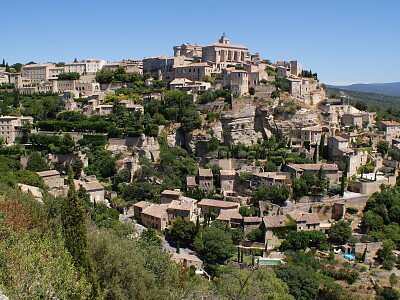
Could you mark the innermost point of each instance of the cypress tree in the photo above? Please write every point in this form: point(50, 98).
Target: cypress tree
point(178, 248)
point(315, 158)
point(321, 146)
point(75, 234)
point(344, 179)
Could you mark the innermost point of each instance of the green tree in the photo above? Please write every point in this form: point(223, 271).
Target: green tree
point(393, 279)
point(67, 144)
point(214, 244)
point(256, 235)
point(182, 230)
point(37, 266)
point(340, 232)
point(302, 284)
point(242, 284)
point(382, 147)
point(36, 163)
point(252, 91)
point(276, 194)
point(75, 234)
point(77, 167)
point(139, 191)
point(191, 120)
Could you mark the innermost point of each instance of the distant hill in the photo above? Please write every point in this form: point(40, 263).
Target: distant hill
point(390, 89)
point(383, 101)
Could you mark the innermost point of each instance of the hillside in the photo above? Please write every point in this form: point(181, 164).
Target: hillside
point(390, 89)
point(384, 101)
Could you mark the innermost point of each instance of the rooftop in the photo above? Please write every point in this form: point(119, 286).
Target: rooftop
point(275, 221)
point(312, 128)
point(390, 123)
point(48, 173)
point(227, 172)
point(228, 214)
point(156, 210)
point(170, 192)
point(252, 220)
point(218, 203)
point(314, 167)
point(205, 172)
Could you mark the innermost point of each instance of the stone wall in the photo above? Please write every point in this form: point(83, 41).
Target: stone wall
point(358, 202)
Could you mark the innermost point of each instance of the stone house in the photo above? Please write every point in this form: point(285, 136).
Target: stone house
point(205, 179)
point(216, 206)
point(251, 223)
point(155, 216)
point(185, 208)
point(312, 134)
point(391, 128)
point(305, 221)
point(331, 170)
point(10, 127)
point(188, 260)
point(51, 178)
point(194, 71)
point(167, 196)
point(93, 188)
point(35, 191)
point(270, 178)
point(355, 119)
point(231, 216)
point(227, 180)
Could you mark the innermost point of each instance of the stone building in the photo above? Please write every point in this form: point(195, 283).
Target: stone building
point(224, 53)
point(10, 127)
point(227, 180)
point(270, 178)
point(87, 66)
point(37, 73)
point(312, 134)
point(189, 50)
point(331, 170)
point(304, 220)
point(216, 206)
point(205, 179)
point(51, 178)
point(391, 128)
point(194, 71)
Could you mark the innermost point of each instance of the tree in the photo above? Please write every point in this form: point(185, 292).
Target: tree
point(75, 234)
point(77, 167)
point(256, 235)
point(69, 76)
point(242, 284)
point(322, 146)
point(37, 266)
point(252, 91)
point(36, 163)
point(182, 231)
point(214, 244)
point(276, 194)
point(315, 157)
point(191, 120)
point(67, 144)
point(302, 284)
point(212, 144)
point(393, 279)
point(139, 191)
point(382, 147)
point(340, 232)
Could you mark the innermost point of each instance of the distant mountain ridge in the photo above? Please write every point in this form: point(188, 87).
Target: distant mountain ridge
point(390, 89)
point(384, 101)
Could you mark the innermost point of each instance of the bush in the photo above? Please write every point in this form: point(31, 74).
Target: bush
point(352, 210)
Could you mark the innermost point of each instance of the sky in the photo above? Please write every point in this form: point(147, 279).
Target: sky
point(345, 42)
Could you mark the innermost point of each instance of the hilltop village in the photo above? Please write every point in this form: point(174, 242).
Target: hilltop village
point(227, 158)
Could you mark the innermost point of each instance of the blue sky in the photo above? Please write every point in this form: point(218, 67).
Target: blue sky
point(343, 41)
